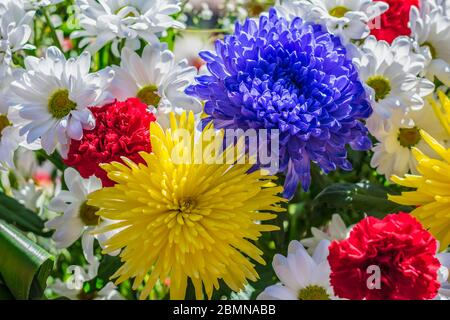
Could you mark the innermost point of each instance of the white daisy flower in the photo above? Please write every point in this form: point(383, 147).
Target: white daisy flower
point(350, 19)
point(53, 95)
point(73, 287)
point(157, 80)
point(15, 26)
point(15, 31)
point(124, 20)
point(335, 230)
point(430, 27)
point(393, 155)
point(78, 217)
point(303, 277)
point(391, 75)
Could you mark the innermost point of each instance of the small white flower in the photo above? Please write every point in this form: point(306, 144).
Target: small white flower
point(15, 31)
point(78, 217)
point(303, 277)
point(397, 135)
point(430, 27)
point(15, 24)
point(391, 75)
point(189, 44)
point(157, 80)
point(124, 20)
point(53, 95)
point(29, 196)
point(206, 13)
point(335, 230)
point(73, 287)
point(347, 18)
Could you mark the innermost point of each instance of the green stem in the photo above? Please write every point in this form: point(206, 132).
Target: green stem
point(54, 158)
point(57, 161)
point(52, 28)
point(35, 31)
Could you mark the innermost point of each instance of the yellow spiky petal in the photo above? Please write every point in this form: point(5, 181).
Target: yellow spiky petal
point(432, 194)
point(443, 110)
point(186, 220)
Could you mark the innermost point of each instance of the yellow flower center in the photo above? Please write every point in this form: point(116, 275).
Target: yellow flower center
point(4, 122)
point(186, 206)
point(255, 8)
point(59, 104)
point(149, 95)
point(87, 214)
point(432, 49)
point(313, 292)
point(338, 11)
point(381, 85)
point(408, 137)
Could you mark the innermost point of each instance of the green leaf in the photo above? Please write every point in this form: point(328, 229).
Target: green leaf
point(5, 294)
point(15, 213)
point(24, 266)
point(355, 199)
point(108, 266)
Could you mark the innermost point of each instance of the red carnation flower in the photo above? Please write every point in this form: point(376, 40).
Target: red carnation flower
point(399, 246)
point(121, 130)
point(394, 22)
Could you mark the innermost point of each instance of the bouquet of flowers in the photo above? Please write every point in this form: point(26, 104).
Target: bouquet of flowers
point(156, 149)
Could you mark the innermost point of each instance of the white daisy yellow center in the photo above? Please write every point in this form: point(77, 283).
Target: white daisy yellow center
point(313, 292)
point(408, 137)
point(381, 85)
point(149, 95)
point(4, 122)
point(338, 11)
point(59, 104)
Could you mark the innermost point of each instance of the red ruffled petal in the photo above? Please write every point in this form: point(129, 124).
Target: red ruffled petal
point(402, 249)
point(394, 22)
point(122, 130)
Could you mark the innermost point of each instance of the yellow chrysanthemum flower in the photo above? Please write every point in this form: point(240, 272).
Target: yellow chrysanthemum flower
point(432, 194)
point(186, 220)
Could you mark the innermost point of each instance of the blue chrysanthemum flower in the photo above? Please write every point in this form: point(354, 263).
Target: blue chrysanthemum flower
point(294, 77)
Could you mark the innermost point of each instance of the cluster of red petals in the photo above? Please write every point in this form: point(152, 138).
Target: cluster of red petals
point(394, 22)
point(402, 249)
point(121, 130)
